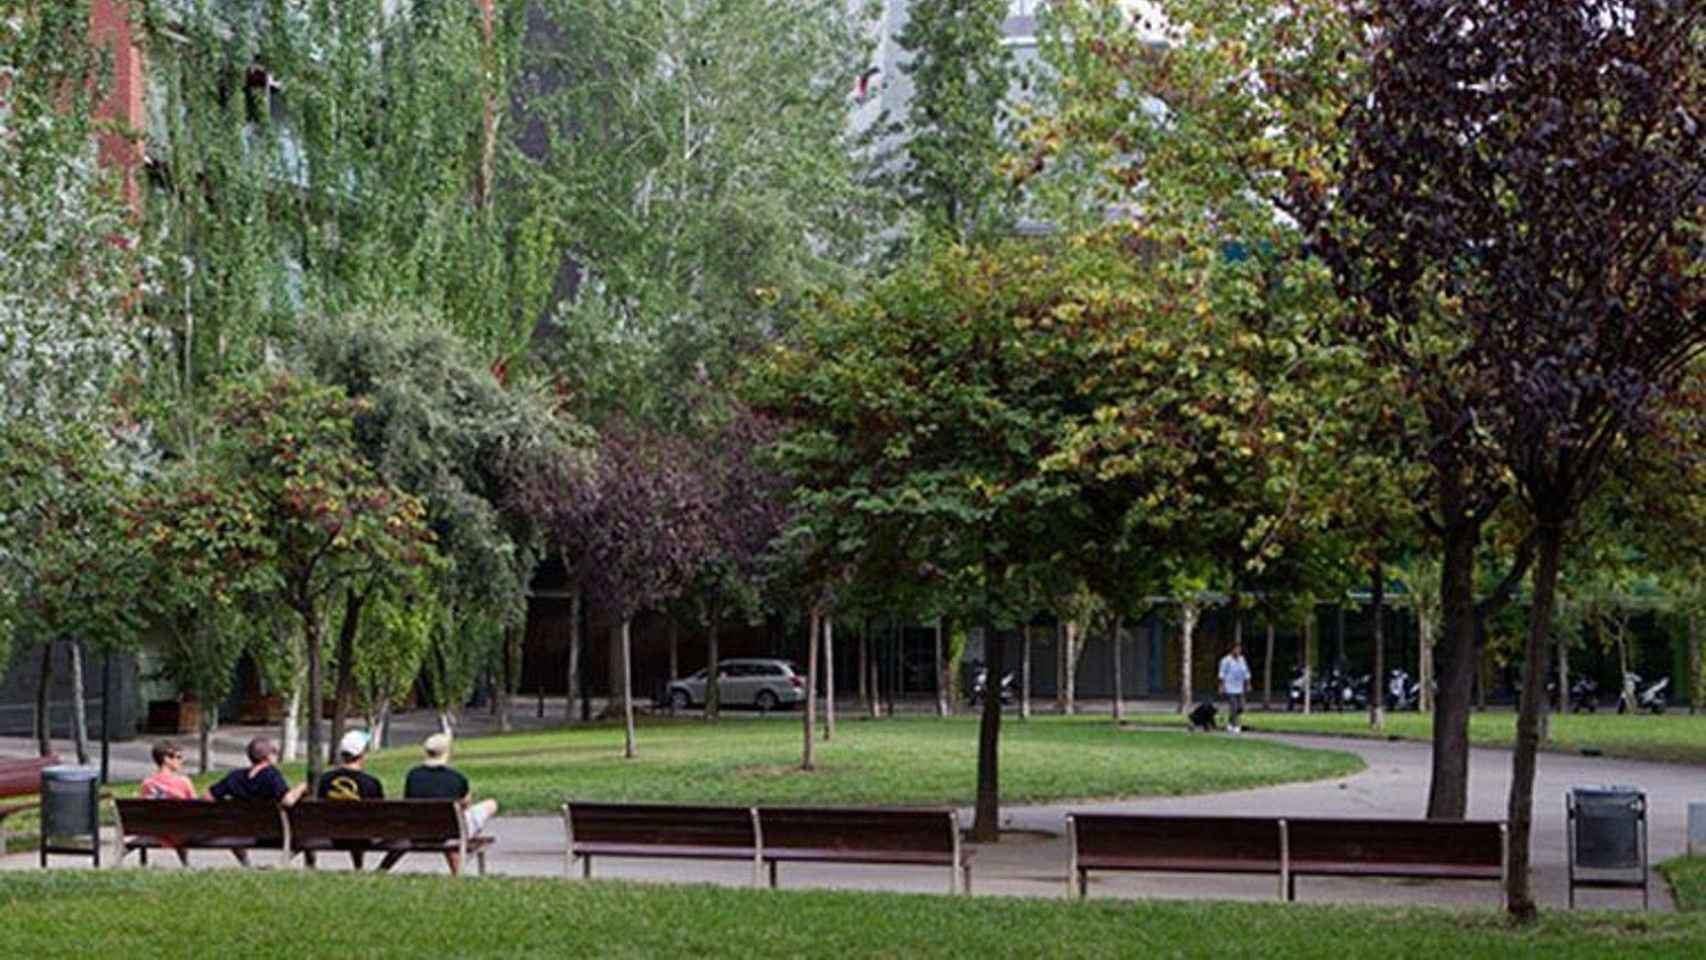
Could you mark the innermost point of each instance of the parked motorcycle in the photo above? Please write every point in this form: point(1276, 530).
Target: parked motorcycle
point(980, 687)
point(1294, 693)
point(1584, 695)
point(1402, 693)
point(1654, 696)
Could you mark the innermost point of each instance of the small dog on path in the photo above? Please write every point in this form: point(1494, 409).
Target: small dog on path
point(1202, 717)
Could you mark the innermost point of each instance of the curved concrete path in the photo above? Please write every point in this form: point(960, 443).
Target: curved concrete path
point(1031, 860)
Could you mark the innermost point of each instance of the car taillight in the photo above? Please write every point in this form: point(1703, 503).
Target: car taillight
point(796, 681)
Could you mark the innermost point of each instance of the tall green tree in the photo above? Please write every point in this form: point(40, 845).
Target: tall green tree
point(283, 498)
point(919, 419)
point(1556, 249)
point(695, 155)
point(958, 120)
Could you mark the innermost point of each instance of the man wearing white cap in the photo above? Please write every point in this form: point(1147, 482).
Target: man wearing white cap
point(435, 779)
point(349, 780)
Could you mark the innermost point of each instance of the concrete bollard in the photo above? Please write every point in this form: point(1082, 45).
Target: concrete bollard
point(1697, 829)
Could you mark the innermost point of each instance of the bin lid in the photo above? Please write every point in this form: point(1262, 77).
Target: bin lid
point(69, 774)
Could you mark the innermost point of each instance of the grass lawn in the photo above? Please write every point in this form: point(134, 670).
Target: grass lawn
point(922, 760)
point(1673, 737)
point(74, 913)
point(1687, 876)
point(911, 760)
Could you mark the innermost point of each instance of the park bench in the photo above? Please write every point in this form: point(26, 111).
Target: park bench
point(1424, 849)
point(20, 777)
point(658, 830)
point(383, 826)
point(864, 835)
point(145, 825)
point(1288, 847)
point(1172, 844)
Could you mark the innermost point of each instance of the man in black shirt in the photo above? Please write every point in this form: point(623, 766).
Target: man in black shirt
point(261, 781)
point(435, 779)
point(349, 780)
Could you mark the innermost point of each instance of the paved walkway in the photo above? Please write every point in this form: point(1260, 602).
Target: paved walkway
point(1031, 859)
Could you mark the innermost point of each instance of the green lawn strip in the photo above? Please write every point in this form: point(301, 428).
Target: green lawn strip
point(1670, 738)
point(1687, 876)
point(922, 761)
point(291, 914)
point(897, 761)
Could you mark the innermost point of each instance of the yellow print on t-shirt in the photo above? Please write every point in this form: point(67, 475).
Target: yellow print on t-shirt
point(343, 788)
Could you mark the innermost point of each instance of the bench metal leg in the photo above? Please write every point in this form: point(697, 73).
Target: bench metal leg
point(1291, 888)
point(143, 856)
point(773, 865)
point(481, 858)
point(1083, 884)
point(586, 866)
point(967, 869)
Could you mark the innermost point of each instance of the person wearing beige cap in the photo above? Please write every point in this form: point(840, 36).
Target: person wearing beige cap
point(435, 779)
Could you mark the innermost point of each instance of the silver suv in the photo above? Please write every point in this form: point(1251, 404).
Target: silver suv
point(765, 684)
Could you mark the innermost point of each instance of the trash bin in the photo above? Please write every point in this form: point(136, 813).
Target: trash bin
point(1607, 838)
point(70, 812)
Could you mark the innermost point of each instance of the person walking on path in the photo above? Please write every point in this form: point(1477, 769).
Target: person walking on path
point(1234, 675)
point(435, 779)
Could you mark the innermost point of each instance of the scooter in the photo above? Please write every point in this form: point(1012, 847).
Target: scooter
point(1294, 695)
point(1584, 696)
point(1402, 693)
point(980, 686)
point(1653, 697)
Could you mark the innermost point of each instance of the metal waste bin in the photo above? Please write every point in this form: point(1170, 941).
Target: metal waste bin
point(70, 812)
point(1607, 833)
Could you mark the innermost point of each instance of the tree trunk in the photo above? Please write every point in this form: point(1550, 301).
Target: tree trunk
point(1308, 641)
point(1695, 683)
point(713, 676)
point(986, 826)
point(290, 737)
point(1448, 785)
point(828, 677)
point(620, 692)
point(942, 674)
point(1268, 668)
point(572, 669)
point(1549, 547)
point(1377, 685)
point(1563, 705)
point(204, 727)
point(44, 728)
point(1424, 660)
point(509, 677)
point(1187, 634)
point(674, 656)
point(810, 715)
point(1623, 681)
point(627, 651)
point(1484, 678)
point(79, 710)
point(864, 668)
point(1062, 640)
point(1024, 673)
point(343, 696)
point(1119, 676)
point(316, 691)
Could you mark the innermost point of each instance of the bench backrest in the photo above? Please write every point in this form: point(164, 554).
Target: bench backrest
point(423, 820)
point(1464, 843)
point(189, 819)
point(21, 777)
point(1163, 837)
point(834, 828)
point(660, 825)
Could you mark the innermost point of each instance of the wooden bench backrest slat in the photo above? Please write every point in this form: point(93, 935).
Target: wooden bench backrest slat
point(312, 820)
point(201, 818)
point(661, 825)
point(1186, 837)
point(21, 777)
point(876, 830)
point(1469, 843)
